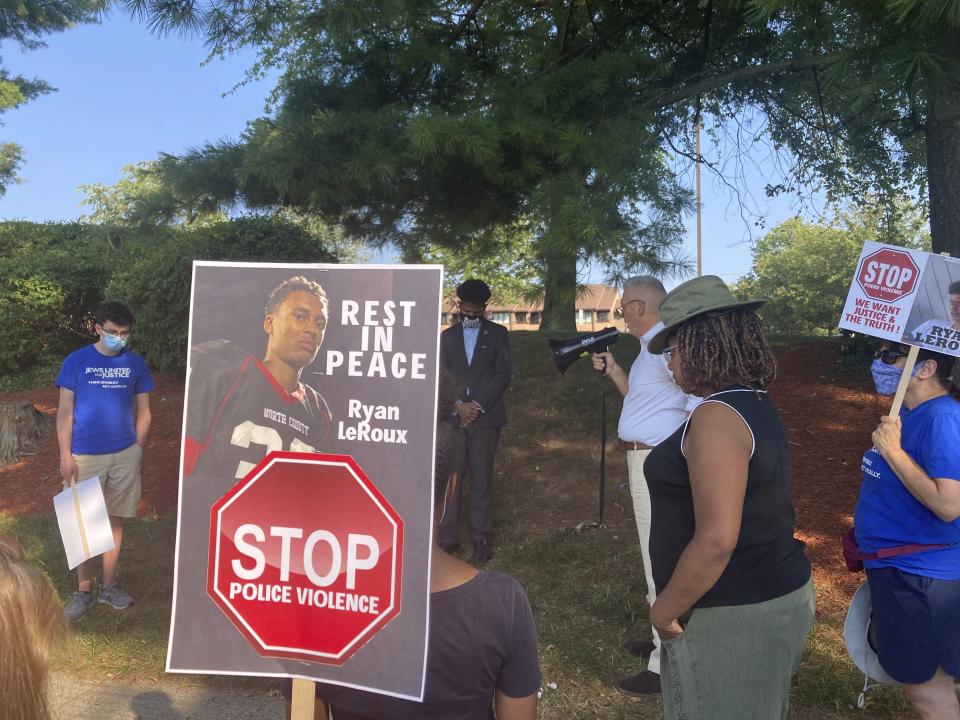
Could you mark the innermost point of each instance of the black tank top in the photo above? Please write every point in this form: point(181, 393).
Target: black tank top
point(768, 561)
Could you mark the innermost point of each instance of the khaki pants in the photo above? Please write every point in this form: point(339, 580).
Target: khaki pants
point(119, 474)
point(641, 513)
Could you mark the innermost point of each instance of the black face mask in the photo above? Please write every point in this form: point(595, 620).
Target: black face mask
point(472, 323)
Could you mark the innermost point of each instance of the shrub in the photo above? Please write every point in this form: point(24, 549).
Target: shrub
point(155, 283)
point(51, 275)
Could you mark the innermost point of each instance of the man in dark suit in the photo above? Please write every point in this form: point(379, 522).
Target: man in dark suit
point(477, 353)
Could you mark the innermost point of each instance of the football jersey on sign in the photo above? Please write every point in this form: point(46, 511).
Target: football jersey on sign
point(237, 413)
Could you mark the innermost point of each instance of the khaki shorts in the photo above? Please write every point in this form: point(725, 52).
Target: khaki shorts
point(119, 477)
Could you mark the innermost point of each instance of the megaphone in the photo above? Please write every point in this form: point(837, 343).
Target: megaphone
point(566, 352)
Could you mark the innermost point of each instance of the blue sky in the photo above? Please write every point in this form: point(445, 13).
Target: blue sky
point(125, 95)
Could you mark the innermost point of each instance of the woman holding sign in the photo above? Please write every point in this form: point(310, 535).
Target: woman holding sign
point(734, 596)
point(910, 501)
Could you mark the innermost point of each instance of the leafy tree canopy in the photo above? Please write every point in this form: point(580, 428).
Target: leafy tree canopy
point(875, 109)
point(805, 269)
point(432, 122)
point(140, 201)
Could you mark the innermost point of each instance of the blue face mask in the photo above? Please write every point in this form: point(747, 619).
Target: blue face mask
point(887, 377)
point(113, 343)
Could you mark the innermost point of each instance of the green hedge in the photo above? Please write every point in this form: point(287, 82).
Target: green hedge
point(156, 281)
point(53, 276)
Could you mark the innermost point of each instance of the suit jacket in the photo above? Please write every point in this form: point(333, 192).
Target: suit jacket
point(486, 378)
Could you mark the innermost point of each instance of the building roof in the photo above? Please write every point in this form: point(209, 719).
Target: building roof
point(597, 297)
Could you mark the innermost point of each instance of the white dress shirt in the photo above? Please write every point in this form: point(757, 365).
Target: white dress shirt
point(654, 405)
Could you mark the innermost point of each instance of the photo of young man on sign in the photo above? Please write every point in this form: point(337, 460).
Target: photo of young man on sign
point(246, 406)
point(935, 319)
point(336, 361)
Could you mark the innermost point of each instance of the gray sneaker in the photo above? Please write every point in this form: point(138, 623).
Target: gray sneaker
point(78, 606)
point(115, 597)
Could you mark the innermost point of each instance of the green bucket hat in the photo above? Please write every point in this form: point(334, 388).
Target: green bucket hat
point(704, 294)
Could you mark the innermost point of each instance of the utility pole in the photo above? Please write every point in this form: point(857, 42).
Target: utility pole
point(699, 205)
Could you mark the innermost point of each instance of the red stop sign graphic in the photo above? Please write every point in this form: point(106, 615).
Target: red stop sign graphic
point(305, 557)
point(888, 275)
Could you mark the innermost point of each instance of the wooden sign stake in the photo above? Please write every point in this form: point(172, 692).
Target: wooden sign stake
point(76, 507)
point(302, 701)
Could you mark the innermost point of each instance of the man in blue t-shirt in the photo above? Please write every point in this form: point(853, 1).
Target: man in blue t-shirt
point(102, 423)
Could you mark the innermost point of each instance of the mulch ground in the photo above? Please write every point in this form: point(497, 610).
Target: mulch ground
point(28, 485)
point(829, 415)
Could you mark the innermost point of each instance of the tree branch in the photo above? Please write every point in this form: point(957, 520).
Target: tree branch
point(669, 96)
point(464, 21)
point(823, 114)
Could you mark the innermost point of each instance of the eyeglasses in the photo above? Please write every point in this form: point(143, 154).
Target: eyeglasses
point(889, 356)
point(669, 351)
point(115, 333)
point(619, 311)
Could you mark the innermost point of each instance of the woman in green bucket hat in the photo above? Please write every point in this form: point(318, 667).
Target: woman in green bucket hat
point(735, 599)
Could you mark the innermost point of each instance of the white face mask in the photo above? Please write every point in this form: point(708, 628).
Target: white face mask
point(473, 323)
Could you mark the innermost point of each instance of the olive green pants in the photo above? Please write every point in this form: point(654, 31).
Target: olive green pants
point(737, 662)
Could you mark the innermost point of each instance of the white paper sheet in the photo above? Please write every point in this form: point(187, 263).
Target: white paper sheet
point(93, 514)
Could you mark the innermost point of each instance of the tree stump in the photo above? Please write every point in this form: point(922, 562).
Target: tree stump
point(21, 425)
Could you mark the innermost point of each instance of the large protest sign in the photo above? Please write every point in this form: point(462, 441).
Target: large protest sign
point(905, 296)
point(366, 401)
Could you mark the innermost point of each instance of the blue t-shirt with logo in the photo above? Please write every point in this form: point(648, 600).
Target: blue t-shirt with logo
point(887, 514)
point(104, 387)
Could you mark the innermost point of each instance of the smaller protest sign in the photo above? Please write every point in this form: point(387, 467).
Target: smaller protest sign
point(905, 296)
point(83, 520)
point(883, 290)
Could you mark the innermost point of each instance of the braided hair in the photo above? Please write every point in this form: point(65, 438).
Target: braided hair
point(724, 348)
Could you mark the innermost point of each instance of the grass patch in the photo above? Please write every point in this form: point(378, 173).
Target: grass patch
point(586, 588)
point(827, 678)
point(118, 644)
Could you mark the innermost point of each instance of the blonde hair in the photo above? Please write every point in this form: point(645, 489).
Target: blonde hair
point(31, 627)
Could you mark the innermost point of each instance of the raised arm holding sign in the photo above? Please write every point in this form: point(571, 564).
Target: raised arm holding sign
point(907, 518)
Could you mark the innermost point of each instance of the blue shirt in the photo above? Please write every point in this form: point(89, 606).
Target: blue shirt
point(470, 336)
point(887, 514)
point(104, 388)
